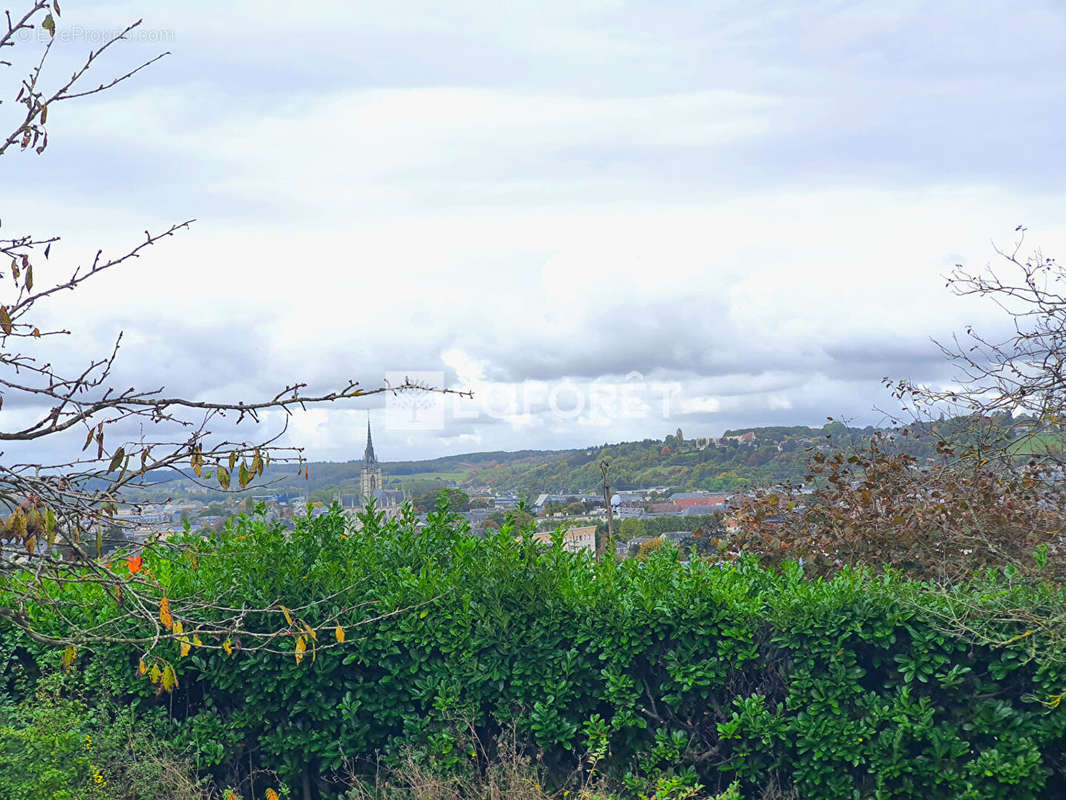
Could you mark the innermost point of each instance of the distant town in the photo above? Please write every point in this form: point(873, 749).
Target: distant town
point(692, 486)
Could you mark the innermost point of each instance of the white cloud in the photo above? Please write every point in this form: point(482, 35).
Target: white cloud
point(546, 192)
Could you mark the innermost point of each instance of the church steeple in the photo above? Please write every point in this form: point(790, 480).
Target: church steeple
point(369, 459)
point(372, 482)
point(371, 479)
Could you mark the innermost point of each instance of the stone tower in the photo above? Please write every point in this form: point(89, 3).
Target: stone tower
point(370, 482)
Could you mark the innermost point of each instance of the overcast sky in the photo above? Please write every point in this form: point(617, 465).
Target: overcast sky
point(608, 219)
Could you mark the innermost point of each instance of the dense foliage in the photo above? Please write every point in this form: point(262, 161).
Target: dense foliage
point(977, 505)
point(839, 688)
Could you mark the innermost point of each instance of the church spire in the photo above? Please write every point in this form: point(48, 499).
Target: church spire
point(369, 459)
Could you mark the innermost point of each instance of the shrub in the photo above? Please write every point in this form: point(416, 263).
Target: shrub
point(55, 747)
point(679, 674)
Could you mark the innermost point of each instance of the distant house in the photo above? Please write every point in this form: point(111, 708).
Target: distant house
point(627, 499)
point(506, 502)
point(477, 516)
point(668, 507)
point(685, 500)
point(575, 540)
point(541, 501)
point(565, 499)
point(742, 438)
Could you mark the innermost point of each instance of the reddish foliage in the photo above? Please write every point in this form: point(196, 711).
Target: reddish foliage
point(877, 507)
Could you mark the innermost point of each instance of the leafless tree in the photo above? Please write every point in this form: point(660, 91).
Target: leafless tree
point(1012, 387)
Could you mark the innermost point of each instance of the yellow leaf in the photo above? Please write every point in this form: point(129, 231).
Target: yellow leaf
point(70, 652)
point(244, 476)
point(142, 667)
point(339, 633)
point(184, 646)
point(196, 640)
point(301, 648)
point(178, 627)
point(288, 616)
point(170, 679)
point(223, 477)
point(228, 647)
point(155, 674)
point(232, 459)
point(164, 613)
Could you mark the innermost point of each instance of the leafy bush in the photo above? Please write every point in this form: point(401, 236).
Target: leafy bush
point(680, 675)
point(44, 755)
point(53, 747)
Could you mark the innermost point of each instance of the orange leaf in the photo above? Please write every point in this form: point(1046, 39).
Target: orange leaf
point(133, 564)
point(271, 795)
point(301, 648)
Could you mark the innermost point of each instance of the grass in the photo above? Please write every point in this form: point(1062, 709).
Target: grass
point(1039, 444)
point(455, 476)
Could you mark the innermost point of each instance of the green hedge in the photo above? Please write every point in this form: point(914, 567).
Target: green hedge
point(839, 689)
